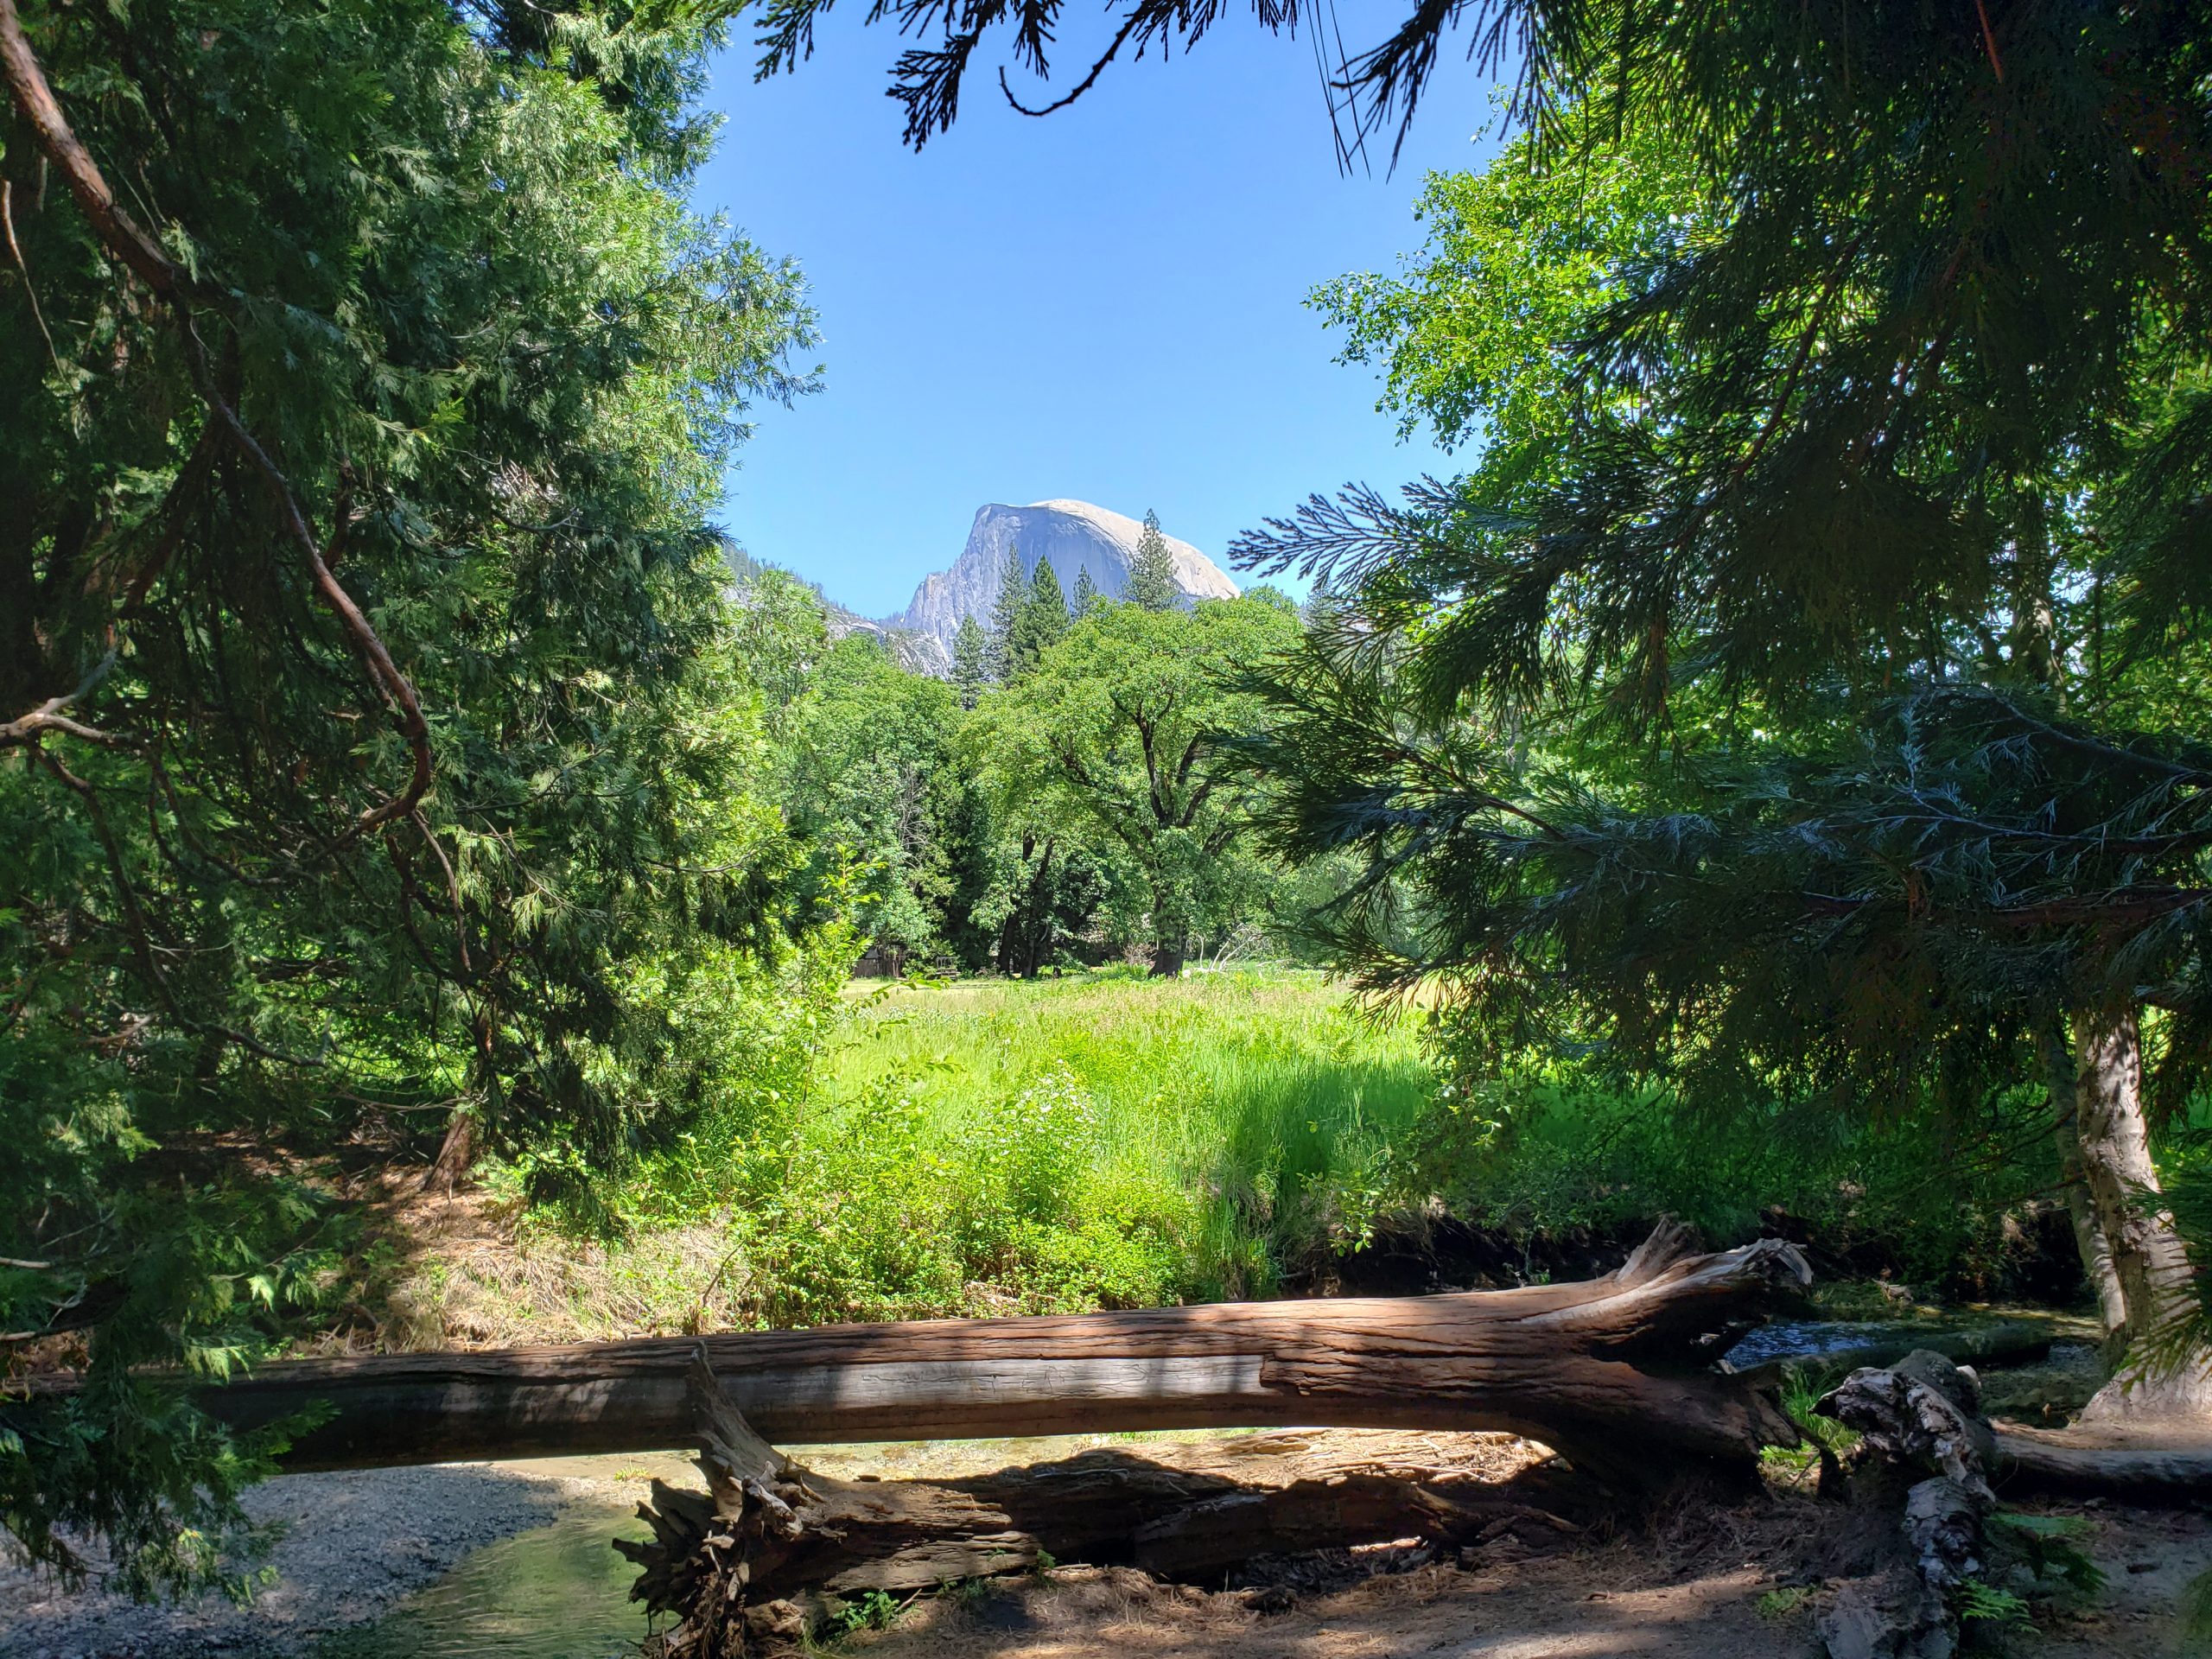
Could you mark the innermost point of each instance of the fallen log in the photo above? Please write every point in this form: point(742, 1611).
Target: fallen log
point(770, 1548)
point(1617, 1372)
point(2161, 1464)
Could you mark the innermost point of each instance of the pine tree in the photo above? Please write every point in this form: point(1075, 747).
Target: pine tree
point(971, 667)
point(1005, 617)
point(1152, 570)
point(1040, 619)
point(1047, 608)
point(1087, 597)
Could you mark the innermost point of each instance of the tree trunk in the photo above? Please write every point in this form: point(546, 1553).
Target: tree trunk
point(1027, 935)
point(2156, 1281)
point(1614, 1372)
point(456, 1155)
point(2088, 1237)
point(771, 1547)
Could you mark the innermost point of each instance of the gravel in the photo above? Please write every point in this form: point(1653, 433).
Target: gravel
point(353, 1543)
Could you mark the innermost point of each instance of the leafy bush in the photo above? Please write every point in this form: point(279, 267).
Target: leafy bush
point(1936, 1202)
point(864, 1209)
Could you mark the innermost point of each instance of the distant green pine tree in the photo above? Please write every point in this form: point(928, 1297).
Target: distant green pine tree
point(1048, 601)
point(1005, 617)
point(1087, 596)
point(1151, 573)
point(971, 661)
point(1043, 619)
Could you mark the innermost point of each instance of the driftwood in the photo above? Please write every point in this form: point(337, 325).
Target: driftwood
point(1617, 1372)
point(769, 1546)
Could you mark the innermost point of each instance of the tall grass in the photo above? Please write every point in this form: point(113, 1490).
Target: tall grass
point(1258, 1098)
point(1097, 1141)
point(1110, 1141)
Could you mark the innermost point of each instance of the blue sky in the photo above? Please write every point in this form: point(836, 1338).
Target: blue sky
point(1107, 304)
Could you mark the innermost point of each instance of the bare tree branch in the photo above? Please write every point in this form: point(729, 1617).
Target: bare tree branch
point(49, 718)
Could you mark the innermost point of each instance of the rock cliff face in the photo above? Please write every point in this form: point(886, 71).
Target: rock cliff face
point(1074, 535)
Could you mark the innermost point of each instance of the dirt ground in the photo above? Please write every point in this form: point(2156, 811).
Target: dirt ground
point(1718, 1589)
point(1702, 1582)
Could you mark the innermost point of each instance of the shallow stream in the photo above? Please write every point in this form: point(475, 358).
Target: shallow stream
point(558, 1592)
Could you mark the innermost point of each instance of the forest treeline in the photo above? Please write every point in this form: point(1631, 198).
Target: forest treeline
point(1070, 795)
point(1792, 715)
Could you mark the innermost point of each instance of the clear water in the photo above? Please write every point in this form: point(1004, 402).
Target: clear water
point(556, 1593)
point(1812, 1338)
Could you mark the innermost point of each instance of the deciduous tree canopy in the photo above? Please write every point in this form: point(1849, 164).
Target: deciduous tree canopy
point(1118, 734)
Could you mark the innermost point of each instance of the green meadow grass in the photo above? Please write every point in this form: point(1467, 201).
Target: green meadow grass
point(1098, 1141)
point(1110, 1140)
point(1229, 1079)
point(1257, 1106)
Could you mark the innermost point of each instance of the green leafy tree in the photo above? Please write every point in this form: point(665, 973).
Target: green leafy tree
point(781, 635)
point(1151, 582)
point(971, 661)
point(1562, 241)
point(867, 781)
point(1116, 743)
point(374, 767)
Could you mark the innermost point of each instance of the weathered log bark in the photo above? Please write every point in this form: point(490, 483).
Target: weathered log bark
point(2136, 1463)
point(2156, 1279)
point(1615, 1372)
point(769, 1546)
point(1927, 1456)
point(1924, 1453)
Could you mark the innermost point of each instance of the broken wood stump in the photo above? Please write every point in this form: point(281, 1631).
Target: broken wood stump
point(1923, 1457)
point(1926, 1476)
point(770, 1548)
point(1617, 1372)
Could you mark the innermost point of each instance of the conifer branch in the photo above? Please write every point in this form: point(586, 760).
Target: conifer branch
point(1120, 38)
point(27, 82)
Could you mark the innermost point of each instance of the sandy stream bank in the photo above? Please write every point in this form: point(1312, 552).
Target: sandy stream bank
point(361, 1544)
